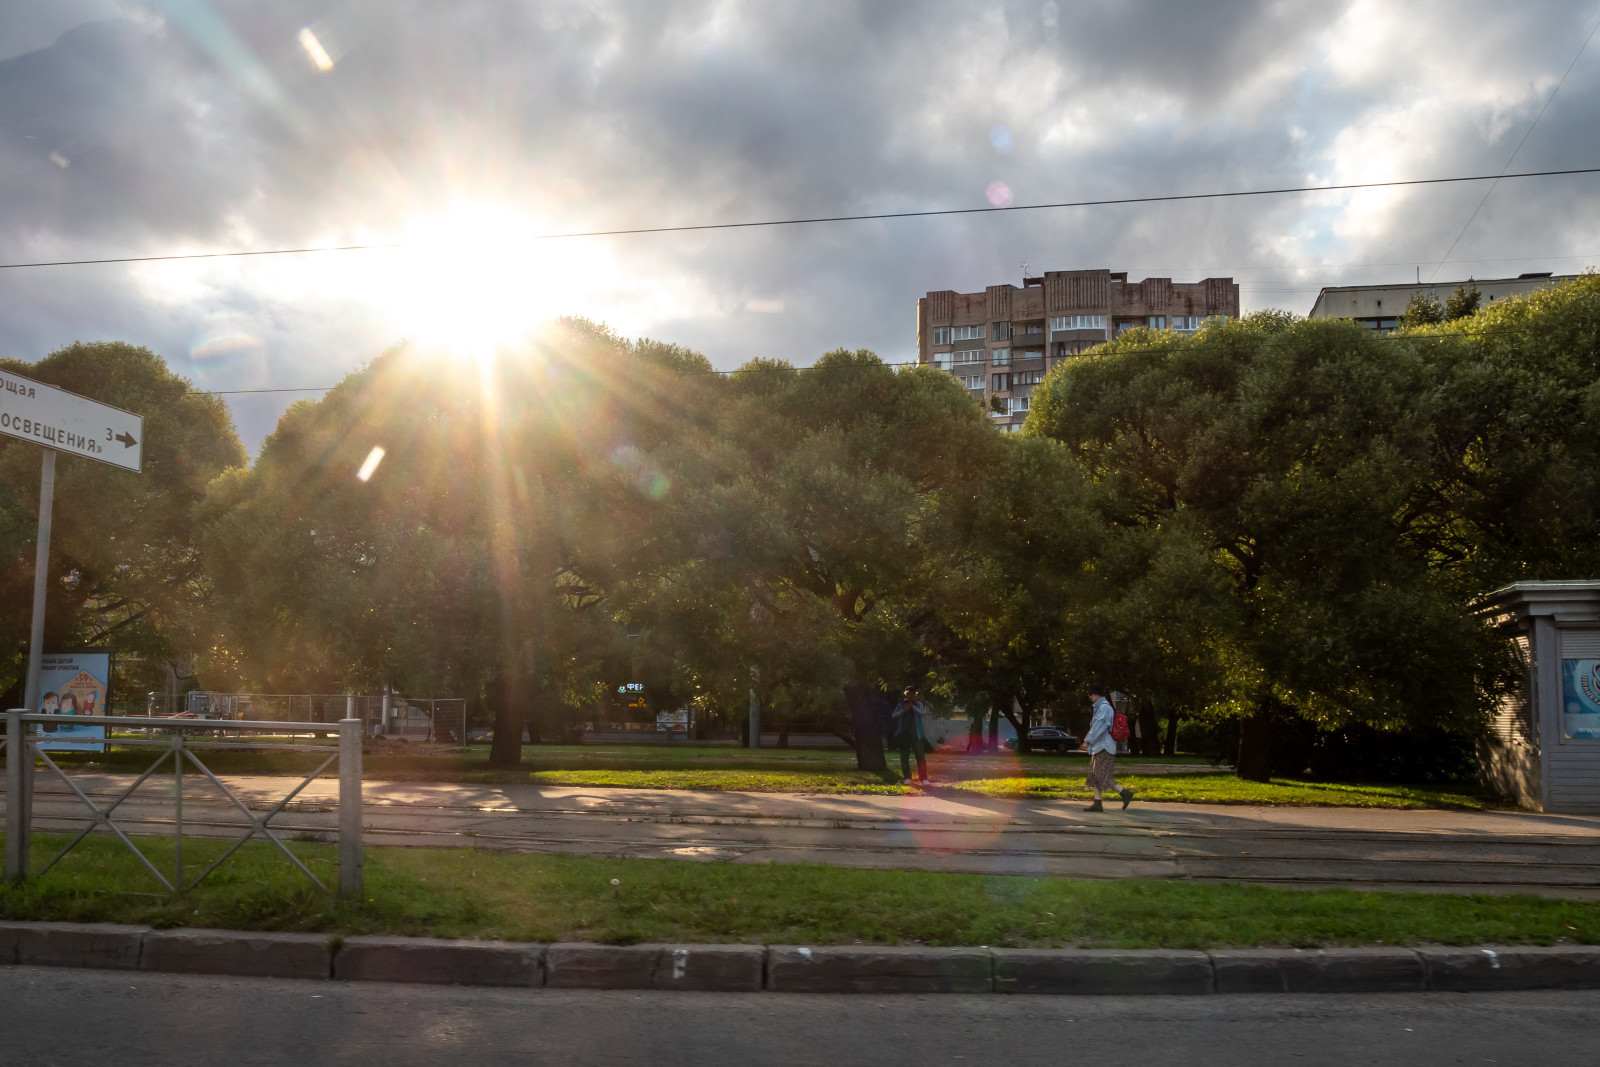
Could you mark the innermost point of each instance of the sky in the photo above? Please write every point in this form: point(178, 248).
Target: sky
point(464, 131)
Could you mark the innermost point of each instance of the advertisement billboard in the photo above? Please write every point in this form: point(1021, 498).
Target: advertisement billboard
point(1580, 697)
point(76, 686)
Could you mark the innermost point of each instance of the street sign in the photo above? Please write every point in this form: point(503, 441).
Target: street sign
point(70, 423)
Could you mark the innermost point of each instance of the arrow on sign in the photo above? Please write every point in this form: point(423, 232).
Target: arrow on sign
point(127, 439)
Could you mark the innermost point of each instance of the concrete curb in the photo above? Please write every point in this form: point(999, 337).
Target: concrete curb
point(439, 962)
point(234, 952)
point(800, 969)
point(793, 969)
point(1029, 970)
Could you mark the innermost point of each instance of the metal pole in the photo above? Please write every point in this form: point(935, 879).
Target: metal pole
point(350, 731)
point(177, 822)
point(755, 710)
point(388, 709)
point(41, 585)
point(18, 825)
point(41, 579)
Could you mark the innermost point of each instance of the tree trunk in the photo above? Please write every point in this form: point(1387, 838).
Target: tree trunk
point(1172, 732)
point(783, 729)
point(1255, 745)
point(869, 721)
point(1019, 725)
point(994, 729)
point(507, 694)
point(1149, 729)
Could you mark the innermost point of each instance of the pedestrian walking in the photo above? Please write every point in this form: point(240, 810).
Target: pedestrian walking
point(906, 723)
point(1101, 744)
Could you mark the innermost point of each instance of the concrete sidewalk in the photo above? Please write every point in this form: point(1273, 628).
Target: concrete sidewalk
point(1444, 851)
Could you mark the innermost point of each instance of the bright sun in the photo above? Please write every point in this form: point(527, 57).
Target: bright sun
point(475, 279)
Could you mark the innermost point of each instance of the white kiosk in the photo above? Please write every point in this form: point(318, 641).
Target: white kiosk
point(1543, 746)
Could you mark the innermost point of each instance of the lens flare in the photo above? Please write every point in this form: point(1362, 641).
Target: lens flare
point(319, 55)
point(374, 458)
point(999, 194)
point(1002, 140)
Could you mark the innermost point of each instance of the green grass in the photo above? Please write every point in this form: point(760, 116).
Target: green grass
point(466, 893)
point(1226, 789)
point(721, 768)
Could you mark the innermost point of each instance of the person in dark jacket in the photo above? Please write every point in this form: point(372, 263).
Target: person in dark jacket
point(906, 728)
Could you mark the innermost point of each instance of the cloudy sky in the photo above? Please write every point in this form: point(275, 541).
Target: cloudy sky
point(464, 129)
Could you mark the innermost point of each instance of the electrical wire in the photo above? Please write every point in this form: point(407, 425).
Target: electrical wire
point(1514, 152)
point(1169, 198)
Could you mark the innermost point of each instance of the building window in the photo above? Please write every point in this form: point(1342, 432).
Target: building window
point(1000, 331)
point(1077, 322)
point(970, 355)
point(1018, 405)
point(1124, 326)
point(1000, 357)
point(1000, 382)
point(941, 335)
point(1033, 329)
point(1027, 377)
point(1156, 322)
point(1187, 323)
point(967, 333)
point(970, 381)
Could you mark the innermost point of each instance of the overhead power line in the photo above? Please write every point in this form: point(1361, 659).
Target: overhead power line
point(1517, 150)
point(815, 220)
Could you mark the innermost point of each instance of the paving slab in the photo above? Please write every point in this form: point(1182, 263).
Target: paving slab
point(1444, 851)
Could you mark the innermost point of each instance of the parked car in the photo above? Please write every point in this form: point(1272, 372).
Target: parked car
point(1048, 739)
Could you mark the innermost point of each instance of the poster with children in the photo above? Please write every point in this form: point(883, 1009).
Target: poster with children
point(76, 686)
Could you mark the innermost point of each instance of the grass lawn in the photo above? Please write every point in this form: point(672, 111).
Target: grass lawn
point(812, 771)
point(465, 893)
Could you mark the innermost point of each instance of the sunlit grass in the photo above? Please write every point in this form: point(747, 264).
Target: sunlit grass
point(467, 893)
point(723, 768)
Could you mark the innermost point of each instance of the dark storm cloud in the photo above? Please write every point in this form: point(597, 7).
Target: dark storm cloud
point(130, 128)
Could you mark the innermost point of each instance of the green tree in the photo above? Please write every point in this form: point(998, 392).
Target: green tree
point(815, 500)
point(1004, 574)
point(477, 558)
point(1518, 438)
point(1299, 456)
point(1423, 309)
point(125, 569)
point(1463, 302)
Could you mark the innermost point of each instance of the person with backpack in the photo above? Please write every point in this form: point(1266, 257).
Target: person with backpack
point(1106, 728)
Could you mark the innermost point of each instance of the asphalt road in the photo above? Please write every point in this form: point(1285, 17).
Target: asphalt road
point(1448, 851)
point(68, 1018)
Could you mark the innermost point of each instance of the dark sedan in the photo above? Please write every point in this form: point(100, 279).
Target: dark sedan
point(1048, 739)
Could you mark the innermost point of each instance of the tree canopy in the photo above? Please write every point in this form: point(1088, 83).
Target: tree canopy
point(124, 566)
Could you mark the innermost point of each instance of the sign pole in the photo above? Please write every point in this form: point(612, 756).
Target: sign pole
point(41, 579)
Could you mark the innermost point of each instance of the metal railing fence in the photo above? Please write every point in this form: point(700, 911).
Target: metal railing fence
point(23, 747)
point(440, 720)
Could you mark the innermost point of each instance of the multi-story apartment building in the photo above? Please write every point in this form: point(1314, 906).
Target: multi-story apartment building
point(1379, 307)
point(1002, 341)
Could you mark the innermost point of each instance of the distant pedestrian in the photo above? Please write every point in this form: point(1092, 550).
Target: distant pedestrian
point(1102, 749)
point(906, 726)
